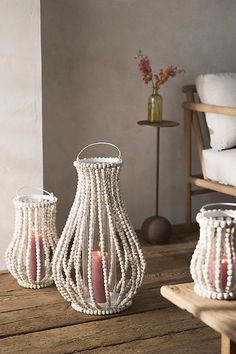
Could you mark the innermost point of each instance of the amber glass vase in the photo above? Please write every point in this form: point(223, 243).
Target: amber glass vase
point(155, 106)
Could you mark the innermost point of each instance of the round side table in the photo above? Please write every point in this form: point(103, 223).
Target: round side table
point(157, 229)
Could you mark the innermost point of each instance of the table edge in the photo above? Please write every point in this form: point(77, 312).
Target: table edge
point(147, 123)
point(205, 317)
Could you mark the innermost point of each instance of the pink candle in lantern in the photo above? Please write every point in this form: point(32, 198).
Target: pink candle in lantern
point(97, 277)
point(33, 257)
point(224, 268)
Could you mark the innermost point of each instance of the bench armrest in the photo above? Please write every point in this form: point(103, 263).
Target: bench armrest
point(201, 107)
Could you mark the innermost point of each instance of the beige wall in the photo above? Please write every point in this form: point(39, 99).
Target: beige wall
point(20, 106)
point(92, 89)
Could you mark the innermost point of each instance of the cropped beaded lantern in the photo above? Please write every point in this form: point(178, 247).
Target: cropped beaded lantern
point(213, 264)
point(29, 254)
point(98, 264)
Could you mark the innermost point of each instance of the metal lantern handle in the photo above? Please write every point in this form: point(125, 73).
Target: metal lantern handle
point(213, 205)
point(99, 143)
point(36, 188)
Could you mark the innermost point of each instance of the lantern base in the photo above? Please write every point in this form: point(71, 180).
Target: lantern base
point(102, 308)
point(35, 286)
point(103, 311)
point(211, 294)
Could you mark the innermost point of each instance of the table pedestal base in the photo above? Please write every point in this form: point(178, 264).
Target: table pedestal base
point(156, 230)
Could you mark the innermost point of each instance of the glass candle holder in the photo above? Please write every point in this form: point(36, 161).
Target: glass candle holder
point(98, 265)
point(29, 254)
point(213, 264)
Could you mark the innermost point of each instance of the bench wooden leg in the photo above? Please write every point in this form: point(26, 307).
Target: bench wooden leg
point(227, 345)
point(187, 164)
point(188, 204)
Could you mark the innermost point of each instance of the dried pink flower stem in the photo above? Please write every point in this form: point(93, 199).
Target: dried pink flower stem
point(157, 79)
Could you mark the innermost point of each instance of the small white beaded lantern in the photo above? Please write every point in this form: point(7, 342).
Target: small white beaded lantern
point(29, 254)
point(98, 263)
point(213, 264)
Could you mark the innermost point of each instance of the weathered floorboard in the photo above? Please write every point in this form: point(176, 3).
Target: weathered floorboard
point(194, 341)
point(45, 316)
point(115, 330)
point(41, 321)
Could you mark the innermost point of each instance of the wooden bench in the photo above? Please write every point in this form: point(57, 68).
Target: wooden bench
point(219, 315)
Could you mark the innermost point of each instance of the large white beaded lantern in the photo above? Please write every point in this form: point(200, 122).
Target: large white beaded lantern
point(98, 264)
point(29, 254)
point(213, 264)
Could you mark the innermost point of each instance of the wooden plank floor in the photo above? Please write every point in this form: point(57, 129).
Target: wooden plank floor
point(40, 321)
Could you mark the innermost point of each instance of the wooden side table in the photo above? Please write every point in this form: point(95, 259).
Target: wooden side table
point(157, 229)
point(219, 315)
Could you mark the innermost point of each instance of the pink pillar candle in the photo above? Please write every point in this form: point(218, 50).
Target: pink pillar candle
point(224, 268)
point(33, 257)
point(98, 278)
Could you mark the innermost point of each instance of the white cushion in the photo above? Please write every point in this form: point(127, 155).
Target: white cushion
point(220, 166)
point(220, 90)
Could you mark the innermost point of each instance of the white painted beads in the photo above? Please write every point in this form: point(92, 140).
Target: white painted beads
point(98, 263)
point(29, 254)
point(213, 264)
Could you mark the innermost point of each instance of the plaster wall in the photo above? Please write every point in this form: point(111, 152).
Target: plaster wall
point(92, 90)
point(20, 107)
